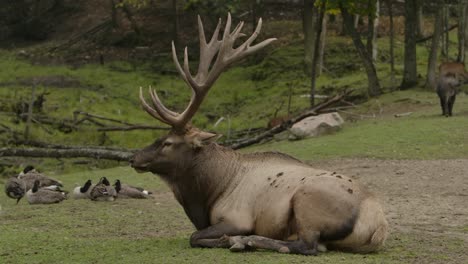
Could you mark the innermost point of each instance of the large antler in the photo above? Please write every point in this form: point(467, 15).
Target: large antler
point(207, 73)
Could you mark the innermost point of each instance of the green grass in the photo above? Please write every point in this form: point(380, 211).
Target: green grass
point(425, 134)
point(157, 231)
point(248, 94)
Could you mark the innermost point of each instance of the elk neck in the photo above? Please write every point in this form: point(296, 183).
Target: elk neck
point(214, 171)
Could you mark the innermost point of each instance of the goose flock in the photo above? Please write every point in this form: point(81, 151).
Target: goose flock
point(41, 189)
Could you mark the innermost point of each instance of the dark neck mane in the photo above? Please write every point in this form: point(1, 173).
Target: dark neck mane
point(202, 182)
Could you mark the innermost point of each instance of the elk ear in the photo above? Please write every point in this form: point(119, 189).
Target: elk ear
point(204, 138)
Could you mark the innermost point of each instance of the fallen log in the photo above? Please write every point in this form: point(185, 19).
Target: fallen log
point(67, 153)
point(288, 123)
point(134, 127)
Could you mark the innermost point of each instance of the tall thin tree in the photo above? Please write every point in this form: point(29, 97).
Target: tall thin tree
point(309, 28)
point(313, 74)
point(410, 77)
point(392, 43)
point(432, 63)
point(366, 58)
point(461, 30)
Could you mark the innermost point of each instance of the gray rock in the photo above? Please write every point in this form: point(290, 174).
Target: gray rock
point(316, 125)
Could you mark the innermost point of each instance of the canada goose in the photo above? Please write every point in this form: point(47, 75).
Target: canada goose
point(29, 175)
point(103, 191)
point(127, 191)
point(44, 195)
point(15, 188)
point(83, 192)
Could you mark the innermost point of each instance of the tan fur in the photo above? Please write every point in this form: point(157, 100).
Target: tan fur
point(275, 186)
point(453, 68)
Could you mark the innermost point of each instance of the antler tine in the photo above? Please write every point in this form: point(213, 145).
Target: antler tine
point(207, 50)
point(251, 49)
point(206, 76)
point(158, 104)
point(176, 62)
point(150, 110)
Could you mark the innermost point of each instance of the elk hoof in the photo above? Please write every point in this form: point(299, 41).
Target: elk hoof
point(284, 250)
point(237, 247)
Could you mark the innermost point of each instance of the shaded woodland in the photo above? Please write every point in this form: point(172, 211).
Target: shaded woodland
point(79, 33)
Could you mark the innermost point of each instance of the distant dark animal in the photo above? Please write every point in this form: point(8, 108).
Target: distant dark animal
point(447, 92)
point(128, 191)
point(44, 195)
point(277, 121)
point(83, 192)
point(103, 191)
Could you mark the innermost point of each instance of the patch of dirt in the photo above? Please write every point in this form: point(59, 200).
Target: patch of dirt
point(426, 197)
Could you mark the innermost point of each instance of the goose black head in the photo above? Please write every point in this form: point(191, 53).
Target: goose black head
point(117, 186)
point(86, 186)
point(35, 186)
point(104, 181)
point(28, 169)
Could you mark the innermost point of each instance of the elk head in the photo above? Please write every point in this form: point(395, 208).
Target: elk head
point(175, 151)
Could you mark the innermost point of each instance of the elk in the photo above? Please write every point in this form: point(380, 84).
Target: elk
point(263, 200)
point(451, 75)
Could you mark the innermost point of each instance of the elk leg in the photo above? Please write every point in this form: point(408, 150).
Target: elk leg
point(446, 105)
point(215, 236)
point(240, 243)
point(451, 103)
point(442, 104)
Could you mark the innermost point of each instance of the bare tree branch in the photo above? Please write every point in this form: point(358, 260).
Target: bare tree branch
point(430, 36)
point(133, 127)
point(75, 113)
point(288, 123)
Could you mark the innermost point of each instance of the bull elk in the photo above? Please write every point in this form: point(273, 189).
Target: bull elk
point(252, 201)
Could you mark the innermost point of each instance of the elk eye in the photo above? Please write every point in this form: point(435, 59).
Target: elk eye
point(167, 143)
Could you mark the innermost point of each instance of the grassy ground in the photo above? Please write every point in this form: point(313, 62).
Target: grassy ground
point(157, 230)
point(424, 134)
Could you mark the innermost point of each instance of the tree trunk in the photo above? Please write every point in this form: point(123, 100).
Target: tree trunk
point(410, 77)
point(420, 19)
point(445, 39)
point(175, 32)
point(115, 23)
point(323, 42)
point(356, 21)
point(432, 63)
point(309, 30)
point(67, 153)
point(372, 27)
point(392, 44)
point(313, 74)
point(373, 81)
point(465, 17)
point(461, 32)
point(130, 18)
